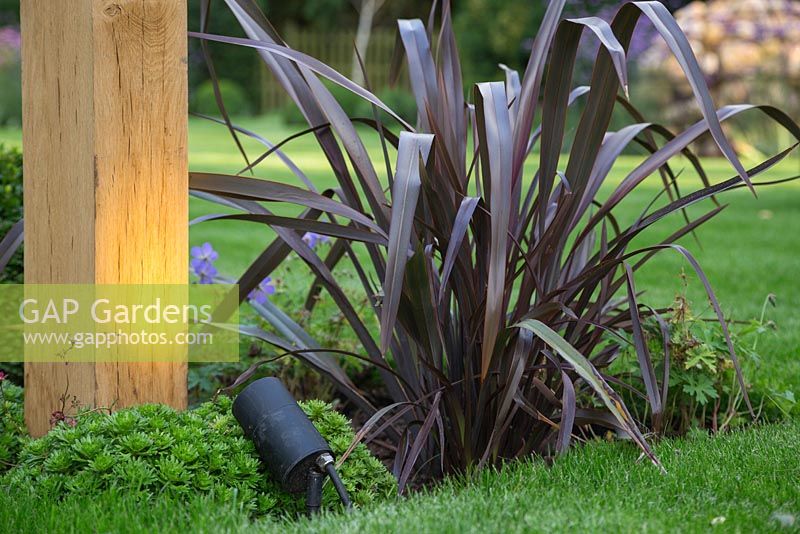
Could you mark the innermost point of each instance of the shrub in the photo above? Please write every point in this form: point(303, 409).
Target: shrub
point(11, 207)
point(13, 433)
point(494, 281)
point(236, 103)
point(153, 450)
point(265, 304)
point(10, 213)
point(274, 294)
point(11, 95)
point(495, 31)
point(699, 385)
point(10, 76)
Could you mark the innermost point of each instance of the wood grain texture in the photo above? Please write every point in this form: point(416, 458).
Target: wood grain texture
point(105, 140)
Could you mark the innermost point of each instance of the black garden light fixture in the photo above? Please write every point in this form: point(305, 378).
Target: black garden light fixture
point(289, 445)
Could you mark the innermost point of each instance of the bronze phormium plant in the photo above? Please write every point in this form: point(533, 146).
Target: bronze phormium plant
point(494, 271)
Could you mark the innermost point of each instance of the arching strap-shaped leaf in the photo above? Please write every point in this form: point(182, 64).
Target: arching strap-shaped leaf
point(519, 362)
point(574, 95)
point(494, 136)
point(290, 76)
point(568, 408)
point(557, 94)
point(205, 11)
point(354, 146)
point(613, 145)
point(420, 440)
point(587, 372)
point(326, 278)
point(299, 73)
point(247, 206)
point(265, 190)
point(607, 39)
point(677, 42)
point(513, 88)
point(270, 257)
point(325, 366)
point(460, 225)
point(609, 256)
point(531, 81)
point(371, 422)
point(720, 317)
point(677, 145)
point(304, 225)
point(451, 90)
point(308, 62)
point(405, 193)
point(421, 70)
point(10, 243)
point(642, 352)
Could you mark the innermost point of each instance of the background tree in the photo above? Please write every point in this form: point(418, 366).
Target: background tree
point(483, 47)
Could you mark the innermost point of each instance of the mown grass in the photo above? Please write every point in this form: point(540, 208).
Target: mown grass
point(741, 482)
point(751, 479)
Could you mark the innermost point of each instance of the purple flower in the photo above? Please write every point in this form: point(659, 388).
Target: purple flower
point(261, 294)
point(205, 252)
point(202, 262)
point(311, 239)
point(205, 271)
point(2, 376)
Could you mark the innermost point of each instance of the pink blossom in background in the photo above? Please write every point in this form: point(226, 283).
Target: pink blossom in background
point(10, 42)
point(10, 38)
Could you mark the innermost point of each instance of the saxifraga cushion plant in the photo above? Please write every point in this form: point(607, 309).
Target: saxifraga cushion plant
point(13, 433)
point(152, 450)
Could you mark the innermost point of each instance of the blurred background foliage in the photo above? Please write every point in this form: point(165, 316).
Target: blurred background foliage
point(489, 32)
point(749, 50)
point(483, 46)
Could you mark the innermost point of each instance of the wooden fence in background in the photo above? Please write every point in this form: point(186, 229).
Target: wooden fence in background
point(334, 48)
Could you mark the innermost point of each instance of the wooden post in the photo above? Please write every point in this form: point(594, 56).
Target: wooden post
point(106, 183)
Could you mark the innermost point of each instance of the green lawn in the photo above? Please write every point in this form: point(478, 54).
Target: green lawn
point(750, 479)
point(742, 482)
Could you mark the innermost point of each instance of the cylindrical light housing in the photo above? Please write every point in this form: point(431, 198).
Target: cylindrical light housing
point(285, 438)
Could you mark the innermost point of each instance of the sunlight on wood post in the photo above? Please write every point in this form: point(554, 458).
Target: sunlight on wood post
point(106, 186)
